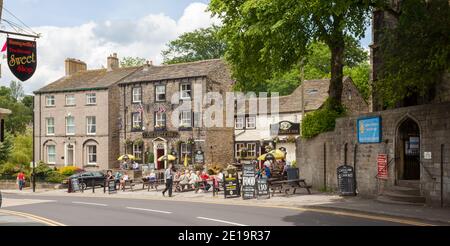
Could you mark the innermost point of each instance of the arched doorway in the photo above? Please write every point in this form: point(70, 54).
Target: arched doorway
point(408, 150)
point(160, 149)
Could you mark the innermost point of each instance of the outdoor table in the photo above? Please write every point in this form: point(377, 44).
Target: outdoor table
point(288, 184)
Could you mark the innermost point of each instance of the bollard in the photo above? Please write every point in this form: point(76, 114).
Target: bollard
point(93, 186)
point(104, 186)
point(82, 185)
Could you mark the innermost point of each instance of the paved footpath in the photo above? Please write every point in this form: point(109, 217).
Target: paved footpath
point(319, 202)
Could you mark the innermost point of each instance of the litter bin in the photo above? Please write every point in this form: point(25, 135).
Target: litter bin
point(346, 180)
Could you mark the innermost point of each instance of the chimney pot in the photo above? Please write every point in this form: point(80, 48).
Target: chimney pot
point(112, 62)
point(73, 66)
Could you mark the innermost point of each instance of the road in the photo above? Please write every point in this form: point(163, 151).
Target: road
point(77, 211)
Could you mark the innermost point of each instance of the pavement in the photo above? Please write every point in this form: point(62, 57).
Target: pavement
point(332, 205)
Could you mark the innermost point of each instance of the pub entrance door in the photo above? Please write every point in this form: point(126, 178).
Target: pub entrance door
point(408, 150)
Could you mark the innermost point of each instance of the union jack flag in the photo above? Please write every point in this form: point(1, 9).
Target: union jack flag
point(141, 108)
point(161, 110)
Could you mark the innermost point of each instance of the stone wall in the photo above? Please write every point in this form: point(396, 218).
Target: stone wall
point(434, 123)
point(219, 147)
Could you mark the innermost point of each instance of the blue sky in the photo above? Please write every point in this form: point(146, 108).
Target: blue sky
point(91, 30)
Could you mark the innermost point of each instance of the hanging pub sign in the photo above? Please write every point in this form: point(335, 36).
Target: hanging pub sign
point(199, 157)
point(285, 128)
point(22, 58)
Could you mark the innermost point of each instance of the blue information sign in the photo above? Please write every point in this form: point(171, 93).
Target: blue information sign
point(369, 130)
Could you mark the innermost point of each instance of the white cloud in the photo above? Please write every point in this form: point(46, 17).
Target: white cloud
point(92, 42)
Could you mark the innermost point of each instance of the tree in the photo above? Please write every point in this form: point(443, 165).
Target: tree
point(28, 101)
point(266, 36)
point(415, 54)
point(16, 90)
point(132, 62)
point(21, 116)
point(5, 149)
point(201, 44)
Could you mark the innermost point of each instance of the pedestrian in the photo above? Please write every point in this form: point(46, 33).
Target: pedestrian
point(168, 174)
point(123, 181)
point(21, 180)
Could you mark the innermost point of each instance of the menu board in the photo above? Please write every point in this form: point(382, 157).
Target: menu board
point(346, 181)
point(249, 182)
point(231, 187)
point(263, 191)
point(75, 185)
point(112, 186)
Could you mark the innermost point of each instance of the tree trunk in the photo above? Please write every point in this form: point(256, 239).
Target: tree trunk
point(337, 72)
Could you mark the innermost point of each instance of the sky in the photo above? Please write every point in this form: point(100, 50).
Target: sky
point(90, 30)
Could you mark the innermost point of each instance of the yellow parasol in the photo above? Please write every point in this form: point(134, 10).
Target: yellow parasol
point(127, 157)
point(167, 158)
point(186, 164)
point(277, 154)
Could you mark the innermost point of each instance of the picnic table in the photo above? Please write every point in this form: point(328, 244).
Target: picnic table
point(288, 185)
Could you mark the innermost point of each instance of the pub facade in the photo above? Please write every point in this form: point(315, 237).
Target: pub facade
point(159, 116)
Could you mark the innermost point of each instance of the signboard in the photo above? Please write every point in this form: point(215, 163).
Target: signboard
point(262, 188)
point(160, 134)
point(22, 60)
point(112, 187)
point(199, 157)
point(231, 188)
point(74, 185)
point(293, 173)
point(427, 156)
point(382, 166)
point(285, 128)
point(248, 182)
point(346, 181)
point(369, 130)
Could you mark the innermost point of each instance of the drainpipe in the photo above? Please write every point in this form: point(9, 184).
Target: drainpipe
point(355, 151)
point(442, 175)
point(325, 165)
point(125, 116)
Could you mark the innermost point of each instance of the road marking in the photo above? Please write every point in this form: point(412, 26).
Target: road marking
point(149, 210)
point(43, 220)
point(221, 221)
point(92, 204)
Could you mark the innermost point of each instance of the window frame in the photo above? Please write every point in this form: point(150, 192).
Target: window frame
point(89, 154)
point(158, 120)
point(133, 99)
point(89, 96)
point(53, 162)
point(156, 93)
point(236, 123)
point(88, 124)
point(133, 126)
point(48, 126)
point(74, 100)
point(247, 122)
point(182, 114)
point(182, 90)
point(51, 98)
point(238, 147)
point(138, 153)
point(67, 126)
point(253, 150)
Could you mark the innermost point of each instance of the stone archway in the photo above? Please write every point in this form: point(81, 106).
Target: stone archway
point(160, 149)
point(408, 147)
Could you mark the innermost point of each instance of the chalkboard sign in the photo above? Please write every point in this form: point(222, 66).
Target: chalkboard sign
point(249, 182)
point(346, 181)
point(112, 187)
point(231, 187)
point(75, 185)
point(262, 186)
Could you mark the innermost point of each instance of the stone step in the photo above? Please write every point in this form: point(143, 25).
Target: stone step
point(395, 196)
point(415, 184)
point(404, 190)
point(386, 200)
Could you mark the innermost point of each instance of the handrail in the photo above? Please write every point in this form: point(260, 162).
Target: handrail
point(426, 169)
point(388, 165)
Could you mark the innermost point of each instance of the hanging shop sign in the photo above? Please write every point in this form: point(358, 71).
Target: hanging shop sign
point(161, 134)
point(382, 161)
point(369, 130)
point(199, 157)
point(249, 182)
point(22, 59)
point(285, 128)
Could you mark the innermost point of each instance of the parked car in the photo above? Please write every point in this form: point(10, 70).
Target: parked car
point(86, 179)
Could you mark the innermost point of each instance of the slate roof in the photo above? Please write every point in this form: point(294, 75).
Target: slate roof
point(88, 80)
point(175, 71)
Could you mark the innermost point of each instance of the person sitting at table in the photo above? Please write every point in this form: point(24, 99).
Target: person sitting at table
point(205, 178)
point(267, 172)
point(135, 166)
point(124, 180)
point(184, 180)
point(195, 179)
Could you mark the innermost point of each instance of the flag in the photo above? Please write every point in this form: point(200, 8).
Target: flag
point(4, 47)
point(141, 108)
point(186, 161)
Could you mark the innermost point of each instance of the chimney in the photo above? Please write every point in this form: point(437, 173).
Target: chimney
point(113, 62)
point(74, 66)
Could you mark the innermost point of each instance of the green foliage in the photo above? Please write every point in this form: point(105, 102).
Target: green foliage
point(5, 149)
point(361, 77)
point(416, 53)
point(22, 151)
point(68, 171)
point(322, 120)
point(201, 44)
point(42, 170)
point(8, 170)
point(21, 116)
point(151, 158)
point(55, 177)
point(265, 37)
point(132, 62)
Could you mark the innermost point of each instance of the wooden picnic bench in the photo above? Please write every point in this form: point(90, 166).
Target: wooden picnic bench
point(287, 185)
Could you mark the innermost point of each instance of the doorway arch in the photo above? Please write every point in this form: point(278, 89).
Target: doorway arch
point(408, 146)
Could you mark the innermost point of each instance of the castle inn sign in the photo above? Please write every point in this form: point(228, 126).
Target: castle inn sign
point(285, 128)
point(160, 134)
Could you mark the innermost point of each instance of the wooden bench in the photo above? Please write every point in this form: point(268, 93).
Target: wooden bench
point(150, 184)
point(287, 185)
point(128, 183)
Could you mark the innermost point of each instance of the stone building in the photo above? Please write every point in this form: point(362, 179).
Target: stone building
point(152, 97)
point(76, 117)
point(3, 114)
point(253, 133)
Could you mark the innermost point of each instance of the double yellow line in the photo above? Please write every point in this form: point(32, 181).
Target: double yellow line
point(32, 217)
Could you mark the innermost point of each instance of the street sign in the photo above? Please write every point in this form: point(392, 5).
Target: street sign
point(346, 181)
point(248, 182)
point(369, 130)
point(382, 166)
point(263, 191)
point(231, 187)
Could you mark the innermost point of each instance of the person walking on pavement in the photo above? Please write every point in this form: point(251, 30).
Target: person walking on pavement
point(21, 180)
point(168, 174)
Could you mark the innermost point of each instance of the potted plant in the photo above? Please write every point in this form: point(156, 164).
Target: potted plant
point(139, 142)
point(128, 142)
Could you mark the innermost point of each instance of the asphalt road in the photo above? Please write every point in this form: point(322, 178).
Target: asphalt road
point(76, 211)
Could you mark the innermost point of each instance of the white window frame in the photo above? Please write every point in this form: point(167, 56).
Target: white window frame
point(251, 150)
point(185, 149)
point(47, 122)
point(186, 121)
point(68, 133)
point(158, 93)
point(137, 151)
point(91, 99)
point(49, 159)
point(184, 91)
point(239, 123)
point(160, 120)
point(137, 94)
point(92, 154)
point(70, 100)
point(239, 147)
point(249, 124)
point(50, 101)
point(134, 120)
point(91, 125)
